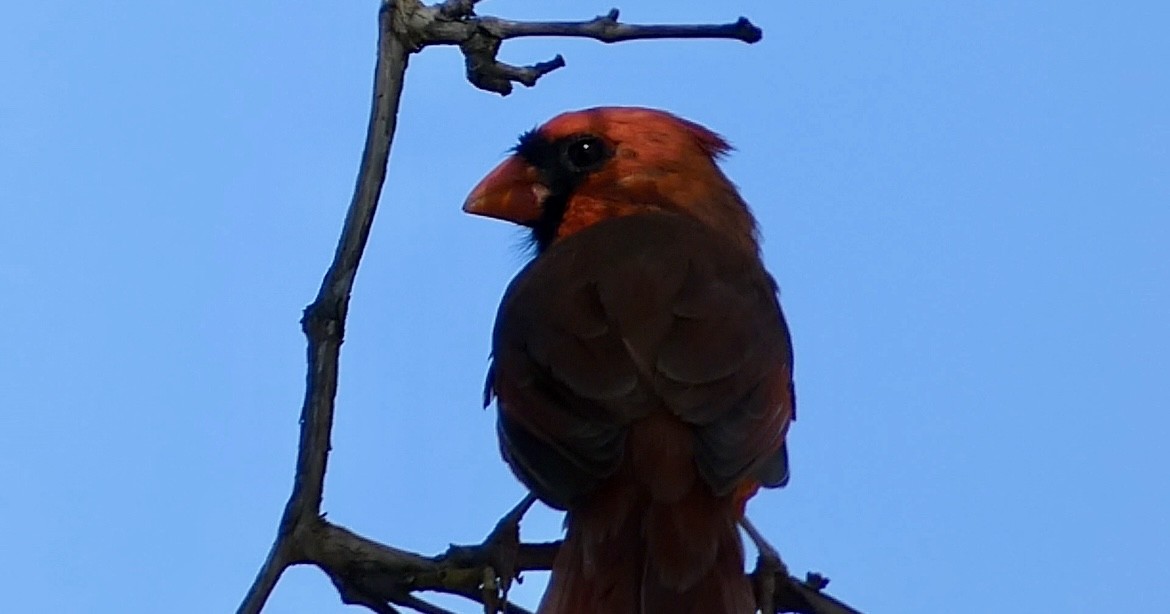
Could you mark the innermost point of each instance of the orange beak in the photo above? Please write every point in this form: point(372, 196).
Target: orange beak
point(511, 192)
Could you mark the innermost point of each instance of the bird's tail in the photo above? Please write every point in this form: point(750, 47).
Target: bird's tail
point(625, 554)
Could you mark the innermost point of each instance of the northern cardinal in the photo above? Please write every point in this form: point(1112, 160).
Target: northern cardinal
point(642, 365)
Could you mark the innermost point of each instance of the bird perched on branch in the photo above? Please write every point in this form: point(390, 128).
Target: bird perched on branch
point(642, 365)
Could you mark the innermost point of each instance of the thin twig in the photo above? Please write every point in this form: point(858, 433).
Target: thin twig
point(418, 605)
point(607, 29)
point(274, 565)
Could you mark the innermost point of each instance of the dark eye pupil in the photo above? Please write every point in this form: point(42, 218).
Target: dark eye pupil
point(585, 153)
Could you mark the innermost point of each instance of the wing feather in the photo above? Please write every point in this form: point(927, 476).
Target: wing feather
point(649, 312)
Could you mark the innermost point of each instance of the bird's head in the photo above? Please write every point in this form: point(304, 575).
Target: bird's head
point(585, 166)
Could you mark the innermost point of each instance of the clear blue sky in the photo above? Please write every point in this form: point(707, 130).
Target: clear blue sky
point(966, 205)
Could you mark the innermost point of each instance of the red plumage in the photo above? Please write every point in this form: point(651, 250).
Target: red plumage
point(641, 362)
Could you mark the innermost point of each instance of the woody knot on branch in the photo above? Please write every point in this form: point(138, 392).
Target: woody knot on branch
point(455, 22)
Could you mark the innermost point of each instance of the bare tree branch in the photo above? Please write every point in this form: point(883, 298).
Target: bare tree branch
point(324, 319)
point(454, 22)
point(365, 572)
point(371, 574)
point(605, 28)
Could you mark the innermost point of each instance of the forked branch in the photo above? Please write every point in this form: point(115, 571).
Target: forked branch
point(455, 23)
point(366, 572)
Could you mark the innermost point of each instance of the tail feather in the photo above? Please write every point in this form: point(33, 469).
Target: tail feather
point(654, 538)
point(619, 557)
point(724, 589)
point(694, 558)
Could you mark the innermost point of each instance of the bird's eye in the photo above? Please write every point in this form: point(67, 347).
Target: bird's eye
point(585, 153)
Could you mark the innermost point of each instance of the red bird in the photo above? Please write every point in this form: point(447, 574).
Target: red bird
point(641, 362)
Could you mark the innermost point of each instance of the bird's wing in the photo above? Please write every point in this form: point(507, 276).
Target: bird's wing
point(638, 313)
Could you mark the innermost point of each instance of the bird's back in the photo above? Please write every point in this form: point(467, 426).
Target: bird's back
point(643, 369)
